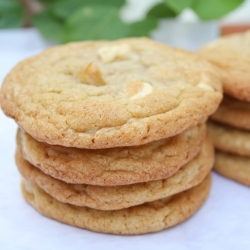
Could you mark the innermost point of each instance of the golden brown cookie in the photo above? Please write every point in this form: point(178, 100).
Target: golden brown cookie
point(118, 197)
point(233, 166)
point(229, 139)
point(233, 112)
point(107, 94)
point(231, 55)
point(115, 166)
point(148, 217)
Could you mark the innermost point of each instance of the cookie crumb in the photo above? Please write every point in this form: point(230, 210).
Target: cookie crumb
point(205, 87)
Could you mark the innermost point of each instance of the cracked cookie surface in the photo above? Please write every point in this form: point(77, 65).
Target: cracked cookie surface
point(118, 197)
point(115, 166)
point(148, 217)
point(110, 94)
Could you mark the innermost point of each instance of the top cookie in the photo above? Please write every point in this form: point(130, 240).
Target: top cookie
point(232, 55)
point(106, 94)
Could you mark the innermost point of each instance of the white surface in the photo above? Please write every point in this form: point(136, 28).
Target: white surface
point(222, 223)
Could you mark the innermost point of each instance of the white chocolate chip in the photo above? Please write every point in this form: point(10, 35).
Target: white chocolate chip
point(28, 187)
point(161, 203)
point(124, 51)
point(205, 87)
point(181, 86)
point(91, 131)
point(138, 89)
point(91, 75)
point(109, 54)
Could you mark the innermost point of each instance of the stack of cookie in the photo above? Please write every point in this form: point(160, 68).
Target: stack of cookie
point(111, 134)
point(230, 128)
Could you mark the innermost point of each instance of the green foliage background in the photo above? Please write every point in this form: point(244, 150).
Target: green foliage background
point(73, 20)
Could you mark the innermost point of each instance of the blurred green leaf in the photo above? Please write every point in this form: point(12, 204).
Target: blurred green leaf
point(161, 10)
point(95, 22)
point(11, 14)
point(179, 5)
point(8, 5)
point(66, 8)
point(49, 26)
point(143, 27)
point(12, 19)
point(214, 9)
point(48, 1)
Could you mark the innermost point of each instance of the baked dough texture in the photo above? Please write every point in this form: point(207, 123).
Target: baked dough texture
point(118, 197)
point(108, 94)
point(231, 54)
point(233, 166)
point(230, 139)
point(233, 112)
point(146, 218)
point(114, 166)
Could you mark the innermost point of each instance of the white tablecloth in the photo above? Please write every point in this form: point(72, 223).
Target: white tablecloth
point(222, 223)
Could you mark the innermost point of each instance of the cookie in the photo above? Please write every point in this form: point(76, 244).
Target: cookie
point(115, 166)
point(233, 112)
point(108, 94)
point(233, 166)
point(229, 139)
point(231, 55)
point(146, 218)
point(118, 197)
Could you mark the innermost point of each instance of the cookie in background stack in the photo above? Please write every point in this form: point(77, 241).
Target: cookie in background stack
point(231, 127)
point(112, 135)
